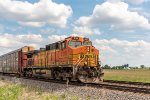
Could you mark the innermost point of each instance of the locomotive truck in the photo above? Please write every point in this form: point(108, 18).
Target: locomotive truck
point(74, 58)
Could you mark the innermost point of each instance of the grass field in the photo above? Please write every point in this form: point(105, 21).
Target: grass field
point(133, 75)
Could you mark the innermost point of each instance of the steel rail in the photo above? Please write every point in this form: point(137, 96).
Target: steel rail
point(127, 82)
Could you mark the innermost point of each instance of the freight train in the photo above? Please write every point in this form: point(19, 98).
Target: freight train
point(74, 59)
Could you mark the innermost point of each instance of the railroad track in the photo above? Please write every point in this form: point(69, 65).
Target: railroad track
point(107, 85)
point(112, 85)
point(134, 89)
point(127, 82)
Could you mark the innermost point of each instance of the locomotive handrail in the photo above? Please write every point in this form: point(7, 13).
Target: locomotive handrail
point(77, 61)
point(74, 67)
point(80, 61)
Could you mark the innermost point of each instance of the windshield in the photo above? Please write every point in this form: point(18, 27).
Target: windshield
point(87, 43)
point(74, 43)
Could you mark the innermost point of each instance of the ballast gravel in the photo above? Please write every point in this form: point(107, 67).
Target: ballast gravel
point(81, 92)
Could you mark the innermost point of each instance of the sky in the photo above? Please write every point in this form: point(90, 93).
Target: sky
point(120, 29)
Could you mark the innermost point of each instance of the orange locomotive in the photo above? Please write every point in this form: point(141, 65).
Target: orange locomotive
point(74, 58)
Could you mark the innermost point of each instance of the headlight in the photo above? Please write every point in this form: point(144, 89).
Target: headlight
point(88, 49)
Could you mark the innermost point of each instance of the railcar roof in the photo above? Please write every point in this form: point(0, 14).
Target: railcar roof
point(13, 51)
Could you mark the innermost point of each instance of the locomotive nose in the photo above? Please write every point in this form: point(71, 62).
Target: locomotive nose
point(88, 55)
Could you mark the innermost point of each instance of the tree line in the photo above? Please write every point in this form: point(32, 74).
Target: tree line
point(125, 66)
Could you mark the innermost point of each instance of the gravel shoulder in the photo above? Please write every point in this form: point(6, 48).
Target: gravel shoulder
point(70, 91)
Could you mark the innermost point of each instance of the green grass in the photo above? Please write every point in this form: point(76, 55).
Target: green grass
point(10, 92)
point(55, 97)
point(133, 75)
point(2, 78)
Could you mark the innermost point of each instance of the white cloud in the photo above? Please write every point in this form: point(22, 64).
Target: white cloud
point(136, 2)
point(36, 38)
point(48, 31)
point(118, 52)
point(37, 14)
point(9, 42)
point(74, 34)
point(116, 15)
point(14, 41)
point(85, 30)
point(54, 38)
point(6, 40)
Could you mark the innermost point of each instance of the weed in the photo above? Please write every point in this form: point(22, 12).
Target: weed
point(10, 92)
point(88, 98)
point(52, 97)
point(63, 96)
point(2, 78)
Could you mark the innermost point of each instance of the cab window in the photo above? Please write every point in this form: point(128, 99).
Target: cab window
point(74, 43)
point(87, 43)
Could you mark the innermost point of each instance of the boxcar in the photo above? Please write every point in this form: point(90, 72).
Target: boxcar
point(14, 62)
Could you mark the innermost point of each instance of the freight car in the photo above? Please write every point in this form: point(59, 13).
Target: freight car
point(14, 62)
point(74, 58)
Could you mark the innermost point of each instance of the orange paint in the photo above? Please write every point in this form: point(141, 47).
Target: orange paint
point(68, 55)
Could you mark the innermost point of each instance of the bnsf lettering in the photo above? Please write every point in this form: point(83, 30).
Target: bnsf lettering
point(87, 56)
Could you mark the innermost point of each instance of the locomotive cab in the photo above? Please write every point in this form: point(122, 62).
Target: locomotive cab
point(83, 48)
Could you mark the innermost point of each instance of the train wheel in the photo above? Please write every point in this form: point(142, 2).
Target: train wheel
point(85, 79)
point(88, 75)
point(29, 73)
